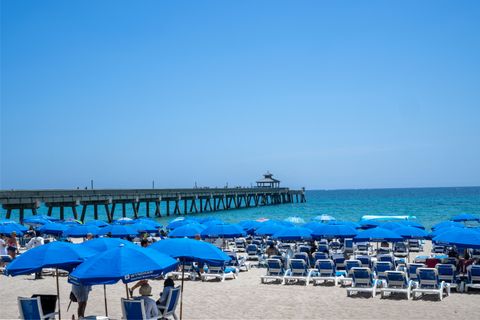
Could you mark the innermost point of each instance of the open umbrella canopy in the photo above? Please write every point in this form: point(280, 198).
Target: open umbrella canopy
point(57, 254)
point(345, 223)
point(123, 263)
point(8, 228)
point(97, 223)
point(465, 217)
point(81, 231)
point(149, 222)
point(178, 223)
point(461, 237)
point(330, 231)
point(312, 225)
point(324, 218)
point(391, 225)
point(368, 224)
point(53, 228)
point(6, 221)
point(377, 234)
point(411, 232)
point(250, 224)
point(410, 223)
point(447, 224)
point(124, 221)
point(268, 229)
point(293, 234)
point(191, 250)
point(71, 222)
point(437, 232)
point(104, 244)
point(38, 220)
point(144, 227)
point(119, 230)
point(189, 231)
point(223, 231)
point(295, 220)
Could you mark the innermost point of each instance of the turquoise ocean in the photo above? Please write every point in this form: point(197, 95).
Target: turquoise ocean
point(428, 205)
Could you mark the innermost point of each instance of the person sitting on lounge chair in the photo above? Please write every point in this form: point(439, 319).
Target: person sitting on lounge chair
point(272, 251)
point(151, 310)
point(168, 285)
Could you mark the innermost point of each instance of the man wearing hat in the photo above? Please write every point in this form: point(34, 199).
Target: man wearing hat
point(151, 310)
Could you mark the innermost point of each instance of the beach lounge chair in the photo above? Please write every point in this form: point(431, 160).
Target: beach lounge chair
point(133, 309)
point(238, 262)
point(304, 248)
point(438, 248)
point(188, 273)
point(475, 254)
point(297, 272)
point(429, 283)
point(303, 256)
point(473, 280)
point(349, 265)
point(240, 244)
point(412, 270)
point(381, 267)
point(365, 260)
point(323, 247)
point(448, 274)
point(414, 245)
point(348, 246)
point(362, 248)
point(339, 261)
point(324, 271)
point(386, 258)
point(252, 252)
point(31, 308)
point(219, 272)
point(363, 281)
point(275, 271)
point(400, 249)
point(334, 246)
point(319, 256)
point(169, 309)
point(397, 282)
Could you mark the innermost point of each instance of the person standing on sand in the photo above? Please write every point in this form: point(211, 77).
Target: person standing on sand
point(36, 241)
point(81, 293)
point(12, 245)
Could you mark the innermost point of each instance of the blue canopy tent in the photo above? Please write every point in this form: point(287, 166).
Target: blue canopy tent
point(125, 263)
point(293, 234)
point(187, 250)
point(59, 255)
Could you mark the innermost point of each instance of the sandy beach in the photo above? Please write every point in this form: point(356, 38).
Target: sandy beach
point(246, 298)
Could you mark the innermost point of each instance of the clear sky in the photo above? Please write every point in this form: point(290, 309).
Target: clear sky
point(324, 94)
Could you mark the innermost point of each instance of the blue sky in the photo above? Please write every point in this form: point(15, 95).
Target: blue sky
point(325, 94)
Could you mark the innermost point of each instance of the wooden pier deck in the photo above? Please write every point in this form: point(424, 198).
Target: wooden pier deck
point(176, 201)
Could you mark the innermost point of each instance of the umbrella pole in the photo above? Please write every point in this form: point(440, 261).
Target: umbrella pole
point(126, 289)
point(181, 290)
point(105, 298)
point(58, 296)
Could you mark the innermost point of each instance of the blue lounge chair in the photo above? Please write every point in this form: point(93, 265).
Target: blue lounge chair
point(252, 252)
point(238, 262)
point(386, 258)
point(323, 247)
point(133, 309)
point(362, 248)
point(412, 270)
point(348, 246)
point(219, 272)
point(31, 308)
point(429, 283)
point(189, 272)
point(240, 244)
point(365, 260)
point(363, 281)
point(339, 261)
point(414, 245)
point(305, 249)
point(275, 271)
point(349, 265)
point(171, 305)
point(397, 282)
point(473, 280)
point(400, 249)
point(319, 256)
point(297, 272)
point(448, 273)
point(324, 271)
point(381, 267)
point(303, 256)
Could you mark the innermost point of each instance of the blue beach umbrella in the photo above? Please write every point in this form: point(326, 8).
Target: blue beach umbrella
point(446, 224)
point(465, 217)
point(81, 231)
point(390, 225)
point(8, 228)
point(345, 223)
point(330, 231)
point(250, 224)
point(97, 223)
point(377, 235)
point(437, 232)
point(411, 232)
point(144, 227)
point(414, 224)
point(295, 220)
point(461, 237)
point(223, 231)
point(53, 228)
point(368, 224)
point(293, 234)
point(36, 221)
point(187, 231)
point(212, 222)
point(124, 221)
point(104, 244)
point(178, 223)
point(6, 221)
point(187, 250)
point(149, 222)
point(268, 229)
point(324, 218)
point(119, 231)
point(313, 225)
point(71, 222)
point(59, 255)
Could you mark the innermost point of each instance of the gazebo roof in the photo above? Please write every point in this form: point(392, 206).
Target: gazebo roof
point(267, 178)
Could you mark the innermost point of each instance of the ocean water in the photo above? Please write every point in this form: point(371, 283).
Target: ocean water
point(429, 205)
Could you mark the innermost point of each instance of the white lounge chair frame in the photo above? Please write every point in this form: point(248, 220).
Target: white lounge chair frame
point(438, 289)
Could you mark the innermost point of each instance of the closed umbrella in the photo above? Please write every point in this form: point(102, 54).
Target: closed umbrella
point(187, 250)
point(122, 263)
point(293, 234)
point(59, 255)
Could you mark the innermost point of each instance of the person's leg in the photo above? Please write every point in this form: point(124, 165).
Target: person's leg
point(81, 309)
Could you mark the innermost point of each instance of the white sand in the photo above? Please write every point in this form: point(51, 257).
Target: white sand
point(246, 298)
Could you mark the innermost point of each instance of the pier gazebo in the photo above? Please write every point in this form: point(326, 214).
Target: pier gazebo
point(268, 181)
